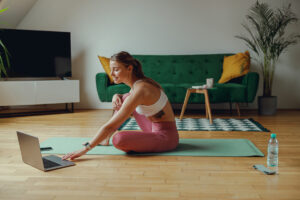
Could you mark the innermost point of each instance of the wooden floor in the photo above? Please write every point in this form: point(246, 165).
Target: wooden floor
point(153, 177)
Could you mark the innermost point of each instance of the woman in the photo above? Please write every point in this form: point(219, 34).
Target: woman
point(148, 104)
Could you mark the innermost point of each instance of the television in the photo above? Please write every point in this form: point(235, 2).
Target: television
point(37, 53)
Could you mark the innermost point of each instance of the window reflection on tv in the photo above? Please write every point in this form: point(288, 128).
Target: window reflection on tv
point(38, 53)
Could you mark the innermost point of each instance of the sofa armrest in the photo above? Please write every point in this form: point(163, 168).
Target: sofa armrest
point(251, 81)
point(101, 85)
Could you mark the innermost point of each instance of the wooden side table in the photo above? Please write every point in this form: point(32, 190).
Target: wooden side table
point(207, 104)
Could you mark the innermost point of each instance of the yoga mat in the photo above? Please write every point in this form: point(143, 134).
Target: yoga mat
point(186, 147)
point(202, 124)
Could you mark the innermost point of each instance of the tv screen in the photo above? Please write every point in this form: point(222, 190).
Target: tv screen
point(37, 53)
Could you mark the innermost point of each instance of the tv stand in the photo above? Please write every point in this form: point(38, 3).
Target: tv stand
point(20, 93)
point(64, 78)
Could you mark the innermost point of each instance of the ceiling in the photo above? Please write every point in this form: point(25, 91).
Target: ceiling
point(17, 10)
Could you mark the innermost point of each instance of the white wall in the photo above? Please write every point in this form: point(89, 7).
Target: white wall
point(105, 27)
point(16, 10)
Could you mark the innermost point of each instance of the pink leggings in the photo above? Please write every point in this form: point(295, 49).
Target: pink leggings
point(155, 136)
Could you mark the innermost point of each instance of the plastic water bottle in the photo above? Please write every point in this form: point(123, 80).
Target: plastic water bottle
point(272, 159)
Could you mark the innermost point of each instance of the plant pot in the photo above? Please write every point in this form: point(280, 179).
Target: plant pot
point(267, 105)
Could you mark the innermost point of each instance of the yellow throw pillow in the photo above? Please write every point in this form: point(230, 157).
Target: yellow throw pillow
point(235, 66)
point(105, 64)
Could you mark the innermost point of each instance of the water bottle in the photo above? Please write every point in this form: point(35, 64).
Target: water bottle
point(272, 159)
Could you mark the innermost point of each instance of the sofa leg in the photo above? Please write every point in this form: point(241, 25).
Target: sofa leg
point(230, 105)
point(238, 109)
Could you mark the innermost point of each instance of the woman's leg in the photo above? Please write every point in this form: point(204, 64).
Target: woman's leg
point(164, 138)
point(124, 96)
point(105, 142)
point(142, 142)
point(144, 123)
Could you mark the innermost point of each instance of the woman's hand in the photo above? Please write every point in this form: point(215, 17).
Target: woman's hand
point(75, 154)
point(117, 101)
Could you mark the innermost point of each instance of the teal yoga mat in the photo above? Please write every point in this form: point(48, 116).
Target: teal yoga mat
point(186, 147)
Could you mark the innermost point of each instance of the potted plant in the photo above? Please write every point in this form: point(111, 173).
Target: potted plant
point(4, 56)
point(268, 40)
point(4, 59)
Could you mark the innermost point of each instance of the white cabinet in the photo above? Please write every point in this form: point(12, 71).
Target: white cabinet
point(13, 93)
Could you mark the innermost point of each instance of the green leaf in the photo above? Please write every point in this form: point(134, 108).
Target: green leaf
point(2, 67)
point(2, 10)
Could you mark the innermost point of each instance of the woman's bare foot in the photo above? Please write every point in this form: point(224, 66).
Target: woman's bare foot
point(105, 142)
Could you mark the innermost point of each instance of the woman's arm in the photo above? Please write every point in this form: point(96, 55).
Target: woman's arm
point(128, 106)
point(117, 102)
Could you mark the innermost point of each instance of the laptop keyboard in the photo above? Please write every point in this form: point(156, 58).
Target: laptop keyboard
point(49, 164)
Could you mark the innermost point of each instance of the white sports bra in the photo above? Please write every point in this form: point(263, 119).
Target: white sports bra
point(154, 108)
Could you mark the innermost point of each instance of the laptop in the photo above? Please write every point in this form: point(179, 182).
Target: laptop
point(31, 154)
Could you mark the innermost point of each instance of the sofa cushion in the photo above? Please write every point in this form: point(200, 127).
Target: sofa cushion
point(235, 66)
point(173, 93)
point(176, 93)
point(218, 95)
point(237, 92)
point(117, 89)
point(105, 64)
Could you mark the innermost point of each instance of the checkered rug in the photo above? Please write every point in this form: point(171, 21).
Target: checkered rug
point(191, 124)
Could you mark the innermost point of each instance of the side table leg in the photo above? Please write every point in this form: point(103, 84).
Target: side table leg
point(207, 104)
point(238, 109)
point(206, 108)
point(187, 96)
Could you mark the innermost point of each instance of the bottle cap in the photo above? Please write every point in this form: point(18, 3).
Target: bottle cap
point(273, 135)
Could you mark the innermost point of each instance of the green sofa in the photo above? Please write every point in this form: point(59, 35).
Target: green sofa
point(176, 73)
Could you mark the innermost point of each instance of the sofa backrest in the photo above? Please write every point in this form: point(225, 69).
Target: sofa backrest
point(182, 68)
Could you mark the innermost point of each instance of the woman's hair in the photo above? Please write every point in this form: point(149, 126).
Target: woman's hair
point(126, 59)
